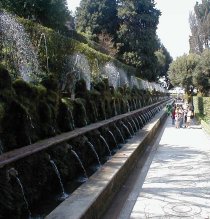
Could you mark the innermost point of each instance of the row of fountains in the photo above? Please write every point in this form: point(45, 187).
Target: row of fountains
point(22, 57)
point(33, 108)
point(27, 182)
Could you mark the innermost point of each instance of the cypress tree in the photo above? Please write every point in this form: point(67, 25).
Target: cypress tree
point(137, 35)
point(94, 17)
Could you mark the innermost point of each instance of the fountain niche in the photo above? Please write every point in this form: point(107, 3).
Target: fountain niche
point(68, 163)
point(53, 135)
point(55, 138)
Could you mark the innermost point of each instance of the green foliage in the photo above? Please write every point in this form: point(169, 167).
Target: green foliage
point(24, 89)
point(49, 13)
point(50, 82)
point(201, 74)
point(191, 71)
point(79, 112)
point(163, 61)
point(95, 17)
point(64, 117)
point(15, 126)
point(181, 71)
point(137, 35)
point(200, 27)
point(202, 108)
point(80, 86)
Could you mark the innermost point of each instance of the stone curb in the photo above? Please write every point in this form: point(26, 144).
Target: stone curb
point(92, 198)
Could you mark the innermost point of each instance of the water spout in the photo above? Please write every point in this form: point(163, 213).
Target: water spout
point(64, 195)
point(81, 66)
point(120, 133)
point(137, 121)
point(14, 173)
point(112, 135)
point(80, 162)
point(141, 120)
point(131, 127)
point(106, 144)
point(18, 46)
point(134, 123)
point(94, 151)
point(30, 121)
point(126, 128)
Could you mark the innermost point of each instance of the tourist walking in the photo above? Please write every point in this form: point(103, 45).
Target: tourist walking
point(189, 117)
point(173, 114)
point(177, 118)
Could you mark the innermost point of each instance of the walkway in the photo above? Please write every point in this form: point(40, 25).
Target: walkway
point(177, 183)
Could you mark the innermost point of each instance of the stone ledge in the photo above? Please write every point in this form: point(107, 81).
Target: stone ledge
point(25, 151)
point(91, 199)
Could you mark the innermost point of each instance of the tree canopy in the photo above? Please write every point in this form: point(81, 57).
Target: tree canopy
point(201, 75)
point(200, 27)
point(181, 71)
point(126, 28)
point(96, 17)
point(50, 13)
point(137, 35)
point(191, 71)
point(132, 24)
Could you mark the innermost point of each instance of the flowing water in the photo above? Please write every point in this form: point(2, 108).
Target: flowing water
point(64, 195)
point(24, 197)
point(112, 135)
point(94, 151)
point(81, 66)
point(120, 133)
point(80, 162)
point(133, 132)
point(112, 73)
point(137, 121)
point(18, 47)
point(142, 122)
point(106, 144)
point(13, 172)
point(134, 123)
point(127, 129)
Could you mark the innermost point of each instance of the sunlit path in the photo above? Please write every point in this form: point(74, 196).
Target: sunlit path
point(177, 184)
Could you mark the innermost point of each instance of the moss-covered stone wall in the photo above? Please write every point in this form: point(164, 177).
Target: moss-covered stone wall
point(29, 113)
point(60, 48)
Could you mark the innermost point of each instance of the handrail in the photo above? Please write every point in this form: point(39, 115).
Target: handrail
point(14, 155)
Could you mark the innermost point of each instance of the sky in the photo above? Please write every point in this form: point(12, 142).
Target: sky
point(173, 29)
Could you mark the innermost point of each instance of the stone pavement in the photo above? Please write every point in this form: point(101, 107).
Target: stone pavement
point(177, 183)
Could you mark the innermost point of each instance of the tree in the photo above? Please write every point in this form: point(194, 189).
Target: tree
point(181, 71)
point(201, 76)
point(200, 27)
point(163, 61)
point(195, 39)
point(137, 40)
point(95, 17)
point(50, 13)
